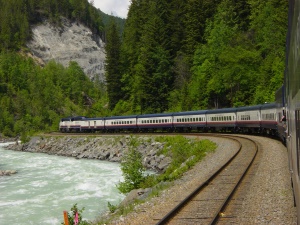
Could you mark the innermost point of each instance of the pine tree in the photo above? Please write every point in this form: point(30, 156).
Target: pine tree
point(112, 65)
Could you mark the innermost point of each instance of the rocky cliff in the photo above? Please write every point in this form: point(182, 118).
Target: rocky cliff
point(69, 42)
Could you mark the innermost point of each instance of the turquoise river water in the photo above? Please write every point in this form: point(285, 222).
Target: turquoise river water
point(46, 185)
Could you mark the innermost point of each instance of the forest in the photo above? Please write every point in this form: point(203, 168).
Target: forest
point(167, 56)
point(188, 55)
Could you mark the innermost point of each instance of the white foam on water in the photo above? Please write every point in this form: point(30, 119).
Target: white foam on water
point(47, 185)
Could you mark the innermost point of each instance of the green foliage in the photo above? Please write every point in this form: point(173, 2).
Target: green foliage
point(201, 54)
point(76, 213)
point(112, 208)
point(112, 67)
point(184, 152)
point(132, 168)
point(33, 99)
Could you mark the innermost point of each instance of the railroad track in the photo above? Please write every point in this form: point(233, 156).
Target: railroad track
point(207, 203)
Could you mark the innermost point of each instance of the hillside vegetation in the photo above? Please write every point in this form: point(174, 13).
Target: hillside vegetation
point(188, 55)
point(169, 56)
point(33, 99)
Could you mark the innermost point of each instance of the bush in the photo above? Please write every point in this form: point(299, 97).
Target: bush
point(132, 168)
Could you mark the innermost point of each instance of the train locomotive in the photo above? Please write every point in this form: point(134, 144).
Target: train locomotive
point(281, 118)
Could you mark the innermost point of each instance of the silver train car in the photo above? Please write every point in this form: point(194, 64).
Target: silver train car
point(292, 98)
point(251, 119)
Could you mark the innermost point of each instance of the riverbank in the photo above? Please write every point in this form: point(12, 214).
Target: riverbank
point(106, 148)
point(7, 172)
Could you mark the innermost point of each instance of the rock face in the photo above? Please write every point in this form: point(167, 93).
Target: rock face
point(102, 148)
point(70, 42)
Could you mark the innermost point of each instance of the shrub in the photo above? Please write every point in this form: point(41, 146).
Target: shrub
point(132, 168)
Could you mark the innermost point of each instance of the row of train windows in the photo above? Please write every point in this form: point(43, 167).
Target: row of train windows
point(197, 119)
point(221, 118)
point(245, 117)
point(121, 122)
point(157, 121)
point(268, 116)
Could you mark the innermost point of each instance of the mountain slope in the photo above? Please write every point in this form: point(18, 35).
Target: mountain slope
point(70, 42)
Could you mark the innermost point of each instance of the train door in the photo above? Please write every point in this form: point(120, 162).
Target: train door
point(297, 137)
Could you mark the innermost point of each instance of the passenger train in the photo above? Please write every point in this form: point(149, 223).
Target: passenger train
point(280, 118)
point(264, 118)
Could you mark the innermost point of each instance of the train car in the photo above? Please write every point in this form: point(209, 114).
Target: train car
point(188, 121)
point(221, 119)
point(268, 118)
point(92, 125)
point(71, 124)
point(248, 119)
point(120, 123)
point(64, 124)
point(154, 122)
point(281, 114)
point(292, 97)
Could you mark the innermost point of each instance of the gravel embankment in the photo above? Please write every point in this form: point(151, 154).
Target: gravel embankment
point(108, 148)
point(269, 199)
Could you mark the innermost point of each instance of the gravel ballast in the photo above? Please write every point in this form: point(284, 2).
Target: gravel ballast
point(269, 199)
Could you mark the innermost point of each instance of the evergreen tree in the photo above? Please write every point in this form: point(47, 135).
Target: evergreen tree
point(112, 65)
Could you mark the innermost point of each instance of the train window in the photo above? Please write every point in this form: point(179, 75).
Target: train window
point(297, 115)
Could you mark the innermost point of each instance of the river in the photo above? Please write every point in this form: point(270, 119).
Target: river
point(46, 185)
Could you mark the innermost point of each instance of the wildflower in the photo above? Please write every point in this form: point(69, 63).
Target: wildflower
point(76, 219)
